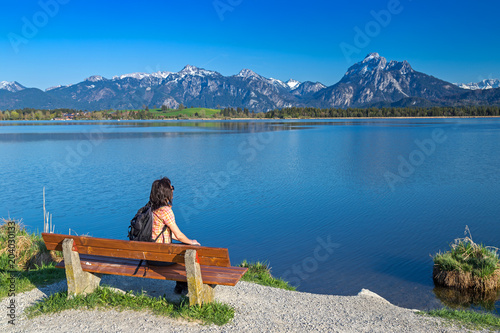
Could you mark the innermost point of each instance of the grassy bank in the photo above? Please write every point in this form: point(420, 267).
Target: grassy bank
point(25, 262)
point(469, 319)
point(260, 273)
point(106, 298)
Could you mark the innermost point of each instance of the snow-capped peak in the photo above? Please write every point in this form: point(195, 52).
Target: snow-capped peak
point(193, 70)
point(11, 86)
point(189, 70)
point(95, 78)
point(248, 73)
point(373, 55)
point(162, 74)
point(137, 76)
point(372, 62)
point(140, 75)
point(277, 82)
point(54, 87)
point(292, 84)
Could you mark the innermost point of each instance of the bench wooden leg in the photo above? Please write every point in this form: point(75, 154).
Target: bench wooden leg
point(79, 282)
point(198, 292)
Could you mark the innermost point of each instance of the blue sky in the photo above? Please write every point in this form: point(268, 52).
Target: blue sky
point(51, 42)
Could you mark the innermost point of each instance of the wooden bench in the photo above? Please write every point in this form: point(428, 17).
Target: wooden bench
point(201, 267)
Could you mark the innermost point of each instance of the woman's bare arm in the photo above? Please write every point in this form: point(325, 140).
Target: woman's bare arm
point(179, 236)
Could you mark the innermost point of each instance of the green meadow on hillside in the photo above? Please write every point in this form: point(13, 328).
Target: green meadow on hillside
point(157, 112)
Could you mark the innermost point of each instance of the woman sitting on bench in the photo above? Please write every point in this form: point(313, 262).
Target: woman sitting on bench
point(164, 226)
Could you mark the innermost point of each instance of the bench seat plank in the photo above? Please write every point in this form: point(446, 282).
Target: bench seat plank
point(127, 267)
point(139, 250)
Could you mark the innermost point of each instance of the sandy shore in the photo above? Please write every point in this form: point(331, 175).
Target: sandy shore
point(257, 309)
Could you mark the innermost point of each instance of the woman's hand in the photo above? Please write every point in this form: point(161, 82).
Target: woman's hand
point(195, 242)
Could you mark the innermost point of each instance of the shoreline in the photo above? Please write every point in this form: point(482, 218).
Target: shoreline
point(259, 119)
point(363, 118)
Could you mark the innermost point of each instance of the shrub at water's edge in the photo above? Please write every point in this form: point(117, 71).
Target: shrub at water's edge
point(30, 264)
point(260, 273)
point(468, 266)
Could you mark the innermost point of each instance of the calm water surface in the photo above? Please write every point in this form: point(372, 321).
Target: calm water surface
point(333, 206)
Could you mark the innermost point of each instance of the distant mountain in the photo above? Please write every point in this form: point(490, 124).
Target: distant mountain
point(372, 82)
point(190, 86)
point(476, 97)
point(11, 86)
point(484, 84)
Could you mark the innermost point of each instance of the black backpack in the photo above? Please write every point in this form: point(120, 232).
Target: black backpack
point(141, 226)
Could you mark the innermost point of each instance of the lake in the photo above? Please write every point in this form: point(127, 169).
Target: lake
point(333, 206)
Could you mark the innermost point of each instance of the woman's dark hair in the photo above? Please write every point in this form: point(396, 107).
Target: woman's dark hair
point(161, 193)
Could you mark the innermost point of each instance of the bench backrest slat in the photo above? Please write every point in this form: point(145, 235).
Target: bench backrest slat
point(212, 256)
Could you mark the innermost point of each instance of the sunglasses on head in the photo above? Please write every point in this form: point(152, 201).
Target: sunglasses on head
point(172, 187)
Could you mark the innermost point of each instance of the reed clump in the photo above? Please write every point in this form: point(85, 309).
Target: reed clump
point(29, 250)
point(468, 266)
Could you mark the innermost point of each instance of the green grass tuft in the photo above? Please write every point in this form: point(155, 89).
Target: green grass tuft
point(470, 319)
point(467, 256)
point(104, 297)
point(260, 273)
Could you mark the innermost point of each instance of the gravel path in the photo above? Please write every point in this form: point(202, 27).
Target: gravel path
point(257, 309)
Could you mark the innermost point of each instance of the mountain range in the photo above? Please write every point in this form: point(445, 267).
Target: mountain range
point(372, 82)
point(484, 84)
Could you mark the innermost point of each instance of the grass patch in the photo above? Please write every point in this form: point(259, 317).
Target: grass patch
point(470, 319)
point(30, 279)
point(27, 261)
point(104, 297)
point(467, 256)
point(189, 112)
point(260, 273)
point(473, 270)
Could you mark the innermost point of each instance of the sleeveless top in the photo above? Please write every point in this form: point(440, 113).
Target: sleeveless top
point(163, 216)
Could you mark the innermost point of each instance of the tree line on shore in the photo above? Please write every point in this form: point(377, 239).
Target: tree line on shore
point(466, 111)
point(285, 113)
